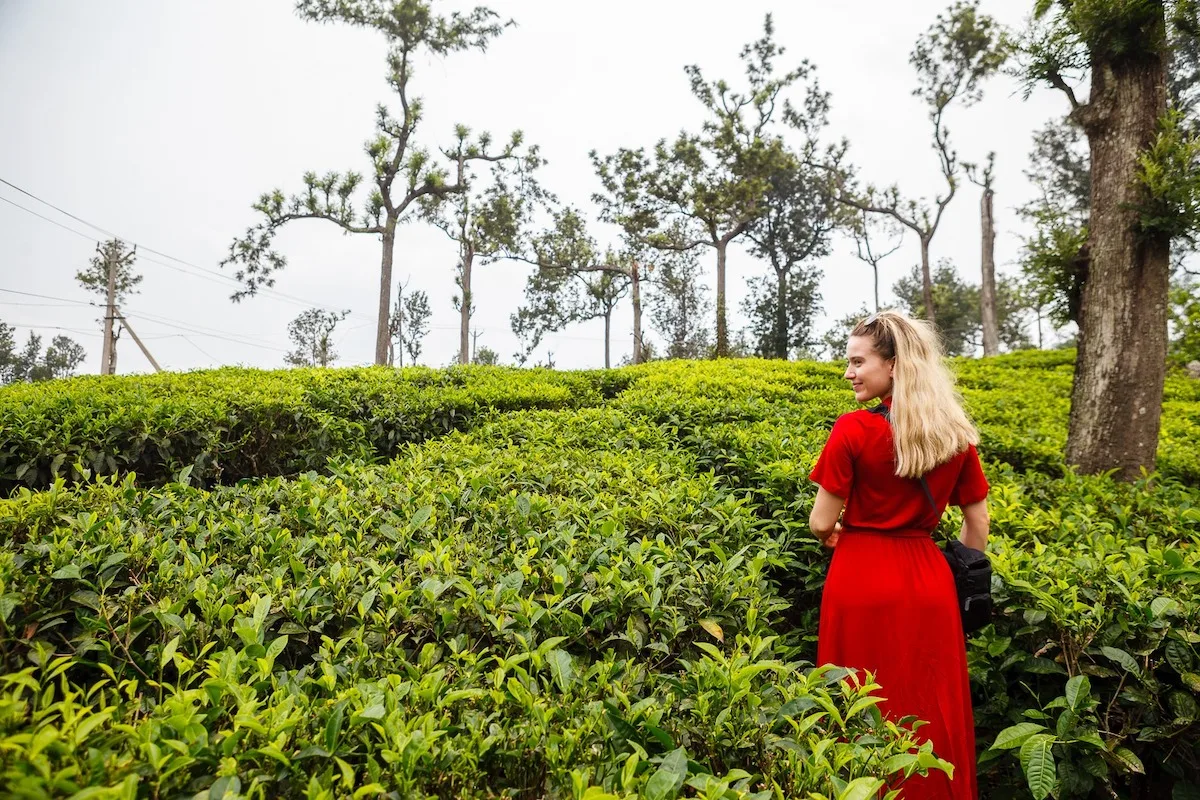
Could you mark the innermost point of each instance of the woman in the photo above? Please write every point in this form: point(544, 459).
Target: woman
point(890, 606)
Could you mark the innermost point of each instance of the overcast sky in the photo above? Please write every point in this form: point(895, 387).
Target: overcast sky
point(163, 121)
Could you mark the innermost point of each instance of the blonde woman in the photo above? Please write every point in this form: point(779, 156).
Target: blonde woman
point(889, 605)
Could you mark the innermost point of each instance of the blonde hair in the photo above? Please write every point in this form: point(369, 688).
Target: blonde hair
point(929, 425)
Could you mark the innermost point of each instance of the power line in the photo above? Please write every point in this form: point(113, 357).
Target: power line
point(52, 222)
point(270, 293)
point(37, 305)
point(196, 325)
point(50, 328)
point(59, 210)
point(195, 332)
point(49, 297)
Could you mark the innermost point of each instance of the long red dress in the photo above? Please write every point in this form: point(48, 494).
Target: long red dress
point(889, 604)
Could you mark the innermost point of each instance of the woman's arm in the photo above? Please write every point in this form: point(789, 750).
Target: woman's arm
point(975, 525)
point(824, 517)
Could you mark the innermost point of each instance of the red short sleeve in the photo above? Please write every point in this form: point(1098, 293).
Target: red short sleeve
point(971, 486)
point(834, 470)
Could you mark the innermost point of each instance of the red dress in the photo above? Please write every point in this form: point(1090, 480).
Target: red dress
point(889, 604)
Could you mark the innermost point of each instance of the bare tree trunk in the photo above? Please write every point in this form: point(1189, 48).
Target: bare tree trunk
point(607, 337)
point(1116, 398)
point(987, 289)
point(382, 330)
point(875, 269)
point(781, 326)
point(722, 334)
point(635, 276)
point(464, 311)
point(927, 281)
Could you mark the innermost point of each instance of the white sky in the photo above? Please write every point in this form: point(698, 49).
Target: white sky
point(164, 121)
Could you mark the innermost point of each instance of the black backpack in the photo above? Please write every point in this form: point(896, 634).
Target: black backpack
point(971, 568)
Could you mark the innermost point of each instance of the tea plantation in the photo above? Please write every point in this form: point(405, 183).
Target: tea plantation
point(484, 582)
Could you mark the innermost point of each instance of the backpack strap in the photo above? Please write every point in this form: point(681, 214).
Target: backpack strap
point(883, 411)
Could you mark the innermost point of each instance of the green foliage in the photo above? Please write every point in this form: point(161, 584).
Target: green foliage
point(226, 425)
point(678, 305)
point(408, 326)
point(1185, 323)
point(556, 601)
point(603, 586)
point(1054, 266)
point(960, 50)
point(956, 304)
point(1170, 172)
point(310, 332)
point(59, 360)
point(95, 277)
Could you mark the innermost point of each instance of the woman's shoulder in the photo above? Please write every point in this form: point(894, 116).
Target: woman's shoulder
point(859, 420)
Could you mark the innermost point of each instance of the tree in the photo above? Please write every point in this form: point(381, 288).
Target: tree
point(416, 317)
point(409, 324)
point(677, 302)
point(837, 336)
point(63, 357)
point(959, 307)
point(486, 356)
point(310, 332)
point(864, 228)
point(792, 302)
point(799, 219)
point(956, 305)
point(1143, 194)
point(952, 59)
point(708, 189)
point(60, 359)
point(488, 220)
point(405, 176)
point(1185, 321)
point(94, 277)
point(983, 178)
point(575, 282)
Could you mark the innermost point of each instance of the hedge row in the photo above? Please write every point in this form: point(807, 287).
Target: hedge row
point(225, 425)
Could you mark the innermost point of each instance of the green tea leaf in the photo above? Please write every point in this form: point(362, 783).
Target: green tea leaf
point(666, 781)
point(1016, 735)
point(1078, 690)
point(1037, 761)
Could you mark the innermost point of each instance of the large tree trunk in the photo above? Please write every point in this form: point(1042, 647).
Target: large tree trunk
point(1116, 398)
point(382, 330)
point(987, 288)
point(722, 335)
point(464, 311)
point(635, 277)
point(781, 320)
point(927, 281)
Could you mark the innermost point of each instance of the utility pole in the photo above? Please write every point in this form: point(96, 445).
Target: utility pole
point(400, 323)
point(475, 334)
point(145, 352)
point(108, 352)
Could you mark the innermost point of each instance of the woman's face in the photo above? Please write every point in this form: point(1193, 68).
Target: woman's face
point(870, 375)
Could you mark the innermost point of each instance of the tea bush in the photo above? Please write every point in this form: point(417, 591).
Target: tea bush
point(582, 585)
point(224, 425)
point(577, 614)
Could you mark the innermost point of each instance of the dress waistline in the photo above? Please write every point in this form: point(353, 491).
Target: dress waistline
point(890, 533)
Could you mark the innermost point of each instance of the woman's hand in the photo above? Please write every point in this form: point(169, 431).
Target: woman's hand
point(831, 540)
